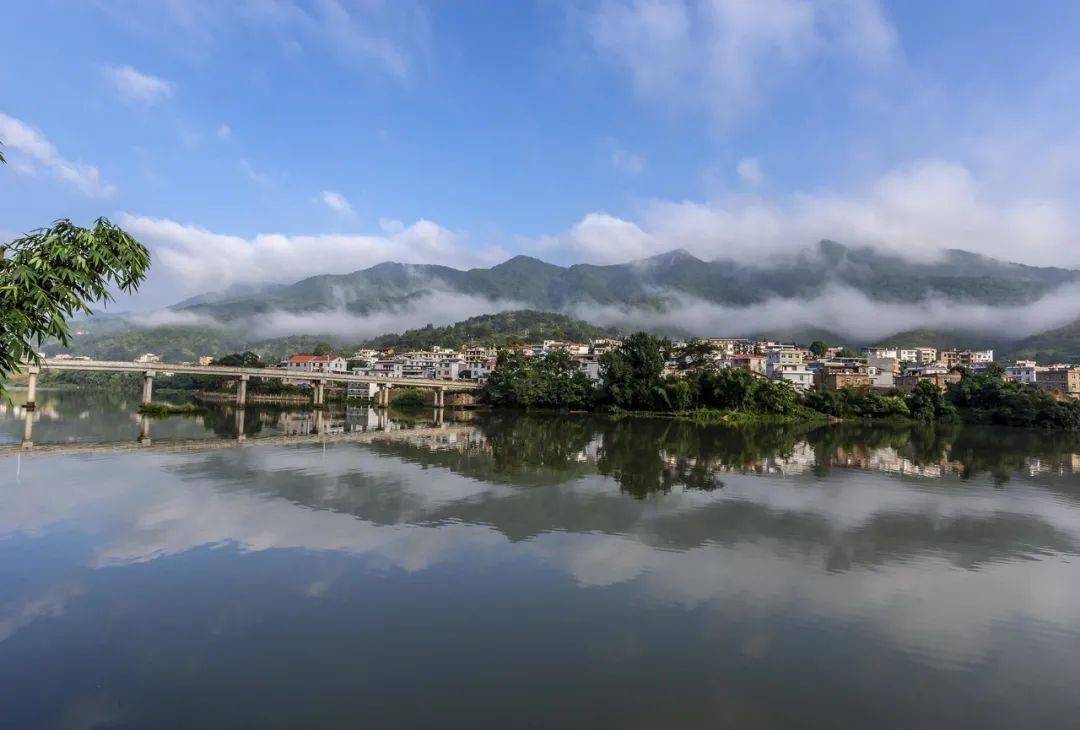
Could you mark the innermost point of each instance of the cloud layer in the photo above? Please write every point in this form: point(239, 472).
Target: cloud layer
point(138, 86)
point(721, 53)
point(35, 153)
point(915, 211)
point(197, 259)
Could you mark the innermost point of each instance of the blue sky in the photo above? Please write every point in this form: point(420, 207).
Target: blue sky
point(263, 140)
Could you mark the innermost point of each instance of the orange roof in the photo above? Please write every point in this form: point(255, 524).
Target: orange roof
point(312, 358)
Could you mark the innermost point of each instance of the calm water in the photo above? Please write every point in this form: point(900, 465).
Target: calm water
point(519, 571)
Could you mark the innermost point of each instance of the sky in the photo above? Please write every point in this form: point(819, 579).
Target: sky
point(268, 140)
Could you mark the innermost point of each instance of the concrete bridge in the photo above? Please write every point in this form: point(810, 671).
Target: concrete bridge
point(317, 379)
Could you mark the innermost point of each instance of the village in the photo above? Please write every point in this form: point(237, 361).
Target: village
point(826, 368)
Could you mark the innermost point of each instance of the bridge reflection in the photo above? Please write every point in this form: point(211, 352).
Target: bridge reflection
point(354, 424)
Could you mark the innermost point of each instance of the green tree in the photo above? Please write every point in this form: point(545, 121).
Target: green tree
point(631, 374)
point(695, 354)
point(552, 381)
point(323, 348)
point(247, 359)
point(927, 403)
point(54, 273)
point(818, 348)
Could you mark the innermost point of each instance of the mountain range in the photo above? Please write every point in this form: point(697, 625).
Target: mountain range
point(959, 276)
point(396, 296)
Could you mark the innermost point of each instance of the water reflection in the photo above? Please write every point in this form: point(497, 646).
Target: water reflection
point(104, 418)
point(546, 571)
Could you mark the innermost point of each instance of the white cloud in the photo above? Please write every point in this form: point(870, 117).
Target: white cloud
point(436, 308)
point(749, 170)
point(336, 202)
point(846, 311)
point(627, 162)
point(224, 131)
point(915, 211)
point(385, 37)
point(138, 86)
point(197, 259)
point(250, 173)
point(38, 153)
point(722, 53)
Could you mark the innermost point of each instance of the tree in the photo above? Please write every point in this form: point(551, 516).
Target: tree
point(323, 348)
point(247, 359)
point(695, 353)
point(552, 381)
point(51, 274)
point(847, 352)
point(631, 373)
point(818, 348)
point(926, 403)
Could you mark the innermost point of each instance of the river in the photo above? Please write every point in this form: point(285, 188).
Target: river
point(345, 569)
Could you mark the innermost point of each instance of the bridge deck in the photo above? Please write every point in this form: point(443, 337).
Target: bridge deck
point(235, 372)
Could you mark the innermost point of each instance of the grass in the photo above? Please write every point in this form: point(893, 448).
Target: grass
point(161, 410)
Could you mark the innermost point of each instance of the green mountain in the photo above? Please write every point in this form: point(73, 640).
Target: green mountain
point(503, 328)
point(188, 343)
point(1056, 345)
point(958, 276)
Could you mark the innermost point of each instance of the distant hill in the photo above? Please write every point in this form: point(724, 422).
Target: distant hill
point(957, 276)
point(503, 328)
point(188, 343)
point(1056, 345)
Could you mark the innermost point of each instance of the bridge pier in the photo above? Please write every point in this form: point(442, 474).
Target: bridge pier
point(144, 430)
point(148, 387)
point(240, 435)
point(31, 387)
point(241, 391)
point(28, 429)
point(318, 392)
point(440, 397)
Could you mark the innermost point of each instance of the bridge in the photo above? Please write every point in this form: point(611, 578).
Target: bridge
point(317, 379)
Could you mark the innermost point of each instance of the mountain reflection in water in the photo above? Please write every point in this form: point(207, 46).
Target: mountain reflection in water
point(548, 571)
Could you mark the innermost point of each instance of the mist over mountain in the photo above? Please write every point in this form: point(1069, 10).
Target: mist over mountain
point(658, 282)
point(830, 291)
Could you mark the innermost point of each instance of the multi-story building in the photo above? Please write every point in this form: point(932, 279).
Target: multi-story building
point(748, 361)
point(590, 365)
point(836, 376)
point(450, 368)
point(784, 358)
point(799, 377)
point(477, 355)
point(388, 367)
point(316, 364)
point(603, 345)
point(205, 360)
point(967, 358)
point(1023, 371)
point(939, 376)
point(730, 346)
point(148, 357)
point(1064, 380)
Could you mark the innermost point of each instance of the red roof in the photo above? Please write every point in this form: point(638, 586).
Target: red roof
point(312, 358)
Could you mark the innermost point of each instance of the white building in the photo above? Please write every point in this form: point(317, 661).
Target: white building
point(388, 367)
point(1023, 371)
point(450, 368)
point(799, 377)
point(316, 364)
point(148, 357)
